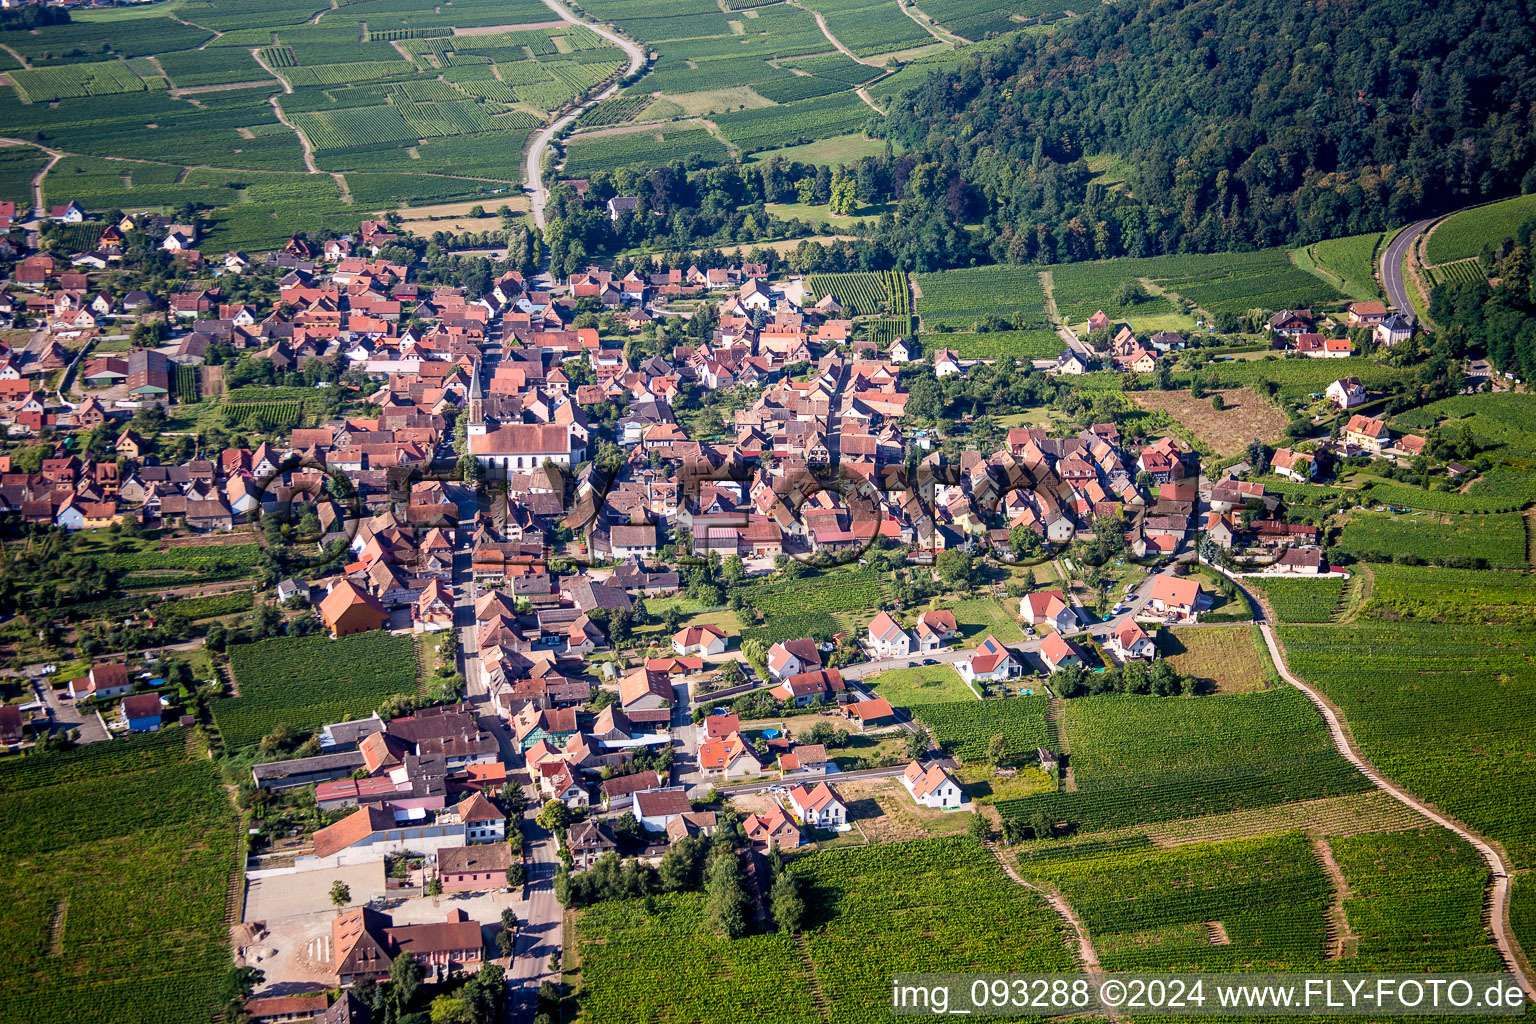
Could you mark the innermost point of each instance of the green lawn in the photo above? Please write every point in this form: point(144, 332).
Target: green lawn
point(822, 216)
point(979, 616)
point(921, 684)
point(841, 149)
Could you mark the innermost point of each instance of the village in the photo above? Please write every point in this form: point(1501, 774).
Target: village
point(550, 486)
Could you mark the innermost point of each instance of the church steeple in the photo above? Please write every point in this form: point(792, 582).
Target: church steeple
point(476, 405)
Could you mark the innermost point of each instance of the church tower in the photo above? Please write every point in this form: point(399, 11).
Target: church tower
point(476, 406)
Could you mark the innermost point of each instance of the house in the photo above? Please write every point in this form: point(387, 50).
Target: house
point(645, 689)
point(870, 714)
point(474, 868)
point(1346, 393)
point(1098, 322)
point(109, 679)
point(441, 948)
point(371, 832)
point(819, 807)
point(1393, 330)
point(1367, 432)
point(1290, 322)
point(1131, 641)
point(887, 639)
point(1048, 607)
point(806, 759)
point(588, 840)
point(656, 808)
point(70, 213)
point(141, 712)
point(484, 822)
point(1175, 596)
point(1058, 653)
point(1301, 562)
point(1367, 314)
point(620, 205)
point(819, 687)
point(774, 829)
point(347, 609)
point(703, 639)
point(286, 1009)
point(792, 657)
point(990, 662)
point(526, 446)
point(935, 630)
point(1069, 362)
point(619, 791)
point(1292, 465)
point(552, 725)
point(900, 352)
point(933, 787)
point(729, 758)
point(946, 362)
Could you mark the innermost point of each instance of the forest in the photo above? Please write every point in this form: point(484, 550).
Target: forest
point(1499, 319)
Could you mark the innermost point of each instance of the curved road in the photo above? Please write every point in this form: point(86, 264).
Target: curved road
point(1392, 266)
point(534, 184)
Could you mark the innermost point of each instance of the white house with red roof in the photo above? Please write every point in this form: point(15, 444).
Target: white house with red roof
point(933, 787)
point(1048, 607)
point(990, 662)
point(792, 657)
point(1058, 653)
point(1175, 596)
point(819, 807)
point(887, 639)
point(729, 758)
point(1129, 641)
point(706, 638)
point(936, 629)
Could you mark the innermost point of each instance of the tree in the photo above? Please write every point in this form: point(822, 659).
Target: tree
point(434, 887)
point(239, 983)
point(555, 816)
point(341, 894)
point(787, 904)
point(956, 568)
point(516, 874)
point(997, 749)
point(979, 827)
point(485, 993)
point(448, 1009)
point(917, 743)
point(1217, 402)
point(405, 978)
point(515, 799)
point(725, 911)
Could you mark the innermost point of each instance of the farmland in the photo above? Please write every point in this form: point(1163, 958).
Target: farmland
point(662, 965)
point(1296, 378)
point(1442, 709)
point(793, 123)
point(1230, 657)
point(690, 143)
point(305, 682)
point(806, 607)
point(1464, 234)
point(1242, 417)
point(864, 294)
point(1141, 759)
point(871, 28)
point(966, 729)
point(1349, 263)
point(1503, 422)
point(138, 921)
point(1301, 600)
point(961, 298)
point(1495, 540)
point(1035, 344)
point(976, 19)
point(1451, 595)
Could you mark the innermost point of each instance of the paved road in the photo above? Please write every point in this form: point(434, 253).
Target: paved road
point(541, 916)
point(1392, 266)
point(534, 186)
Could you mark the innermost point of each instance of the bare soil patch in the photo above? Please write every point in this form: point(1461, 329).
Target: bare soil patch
point(1243, 417)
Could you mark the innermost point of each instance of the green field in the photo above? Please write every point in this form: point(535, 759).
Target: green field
point(1296, 378)
point(691, 144)
point(960, 298)
point(1036, 344)
point(965, 730)
point(306, 682)
point(1348, 263)
point(1469, 596)
point(1301, 600)
point(1497, 540)
point(979, 616)
point(1444, 710)
point(1464, 234)
point(137, 921)
point(921, 684)
point(654, 962)
point(1506, 422)
point(1143, 759)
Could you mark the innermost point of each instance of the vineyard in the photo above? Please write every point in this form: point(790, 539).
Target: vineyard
point(961, 298)
point(1148, 909)
point(1416, 898)
point(104, 78)
point(184, 383)
point(864, 294)
point(267, 416)
point(1296, 378)
point(1452, 595)
point(1497, 421)
point(965, 730)
point(1352, 260)
point(137, 921)
point(686, 141)
point(1144, 759)
point(1410, 496)
point(656, 962)
point(793, 123)
point(1444, 710)
point(1464, 234)
point(1458, 272)
point(806, 607)
point(1036, 344)
point(1301, 600)
point(305, 682)
point(1495, 540)
point(210, 607)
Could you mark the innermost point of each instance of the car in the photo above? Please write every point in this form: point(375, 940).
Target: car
point(929, 661)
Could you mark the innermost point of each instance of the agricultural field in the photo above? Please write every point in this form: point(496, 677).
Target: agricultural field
point(689, 142)
point(305, 682)
point(267, 416)
point(977, 19)
point(959, 299)
point(965, 730)
point(1505, 423)
point(1464, 234)
point(1145, 759)
point(1243, 416)
point(1301, 600)
point(1348, 264)
point(18, 165)
point(1385, 492)
point(871, 28)
point(808, 606)
point(138, 921)
point(1296, 378)
point(1170, 910)
point(654, 961)
point(1441, 709)
point(1470, 269)
point(863, 294)
point(794, 123)
point(921, 684)
point(1035, 344)
point(1230, 658)
point(1470, 596)
point(1495, 540)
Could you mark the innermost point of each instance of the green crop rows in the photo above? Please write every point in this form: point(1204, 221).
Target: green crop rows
point(1498, 540)
point(1143, 759)
point(587, 154)
point(965, 729)
point(863, 294)
point(1464, 234)
point(960, 298)
point(1459, 271)
point(1473, 596)
point(1035, 344)
point(104, 78)
point(794, 123)
point(1444, 710)
point(136, 923)
point(1302, 600)
point(305, 682)
point(1352, 260)
point(1506, 421)
point(263, 415)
